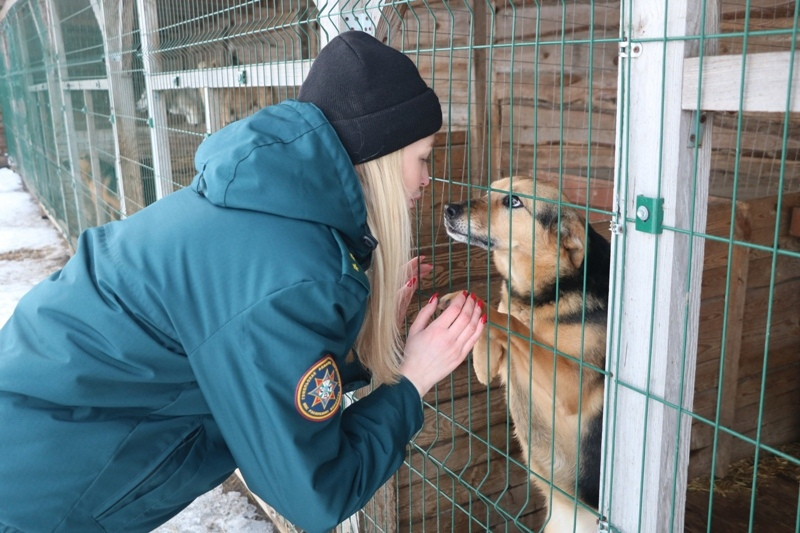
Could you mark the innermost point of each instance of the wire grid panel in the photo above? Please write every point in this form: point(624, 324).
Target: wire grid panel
point(527, 91)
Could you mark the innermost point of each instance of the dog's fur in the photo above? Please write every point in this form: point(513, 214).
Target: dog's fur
point(187, 103)
point(544, 250)
point(100, 200)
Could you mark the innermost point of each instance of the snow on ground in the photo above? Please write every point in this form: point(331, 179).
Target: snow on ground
point(219, 512)
point(30, 250)
point(30, 247)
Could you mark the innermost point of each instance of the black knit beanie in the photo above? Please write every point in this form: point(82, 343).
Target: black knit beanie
point(372, 95)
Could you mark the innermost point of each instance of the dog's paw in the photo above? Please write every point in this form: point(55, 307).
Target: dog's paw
point(447, 299)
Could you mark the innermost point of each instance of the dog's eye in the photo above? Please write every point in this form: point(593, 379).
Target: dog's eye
point(512, 201)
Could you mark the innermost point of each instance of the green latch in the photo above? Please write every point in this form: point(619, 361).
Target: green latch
point(649, 214)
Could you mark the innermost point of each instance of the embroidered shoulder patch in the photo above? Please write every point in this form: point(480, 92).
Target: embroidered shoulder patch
point(319, 392)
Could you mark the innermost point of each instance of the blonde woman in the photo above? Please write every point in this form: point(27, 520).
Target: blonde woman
point(221, 326)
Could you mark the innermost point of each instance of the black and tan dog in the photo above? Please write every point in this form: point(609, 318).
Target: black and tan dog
point(556, 271)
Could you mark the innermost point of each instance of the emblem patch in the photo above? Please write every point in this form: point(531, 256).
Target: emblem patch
point(319, 391)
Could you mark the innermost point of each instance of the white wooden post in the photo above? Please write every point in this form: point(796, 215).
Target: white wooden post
point(656, 278)
point(157, 108)
point(104, 85)
point(116, 25)
point(61, 100)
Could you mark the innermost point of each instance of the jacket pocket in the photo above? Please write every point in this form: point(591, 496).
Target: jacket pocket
point(162, 490)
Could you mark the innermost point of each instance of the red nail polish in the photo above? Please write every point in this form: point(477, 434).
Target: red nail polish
point(472, 295)
point(411, 282)
point(483, 319)
point(435, 295)
point(465, 293)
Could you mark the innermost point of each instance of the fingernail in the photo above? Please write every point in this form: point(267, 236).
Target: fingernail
point(480, 302)
point(435, 295)
point(465, 294)
point(483, 318)
point(411, 282)
point(472, 295)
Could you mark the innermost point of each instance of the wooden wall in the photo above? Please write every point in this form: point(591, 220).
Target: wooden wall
point(758, 354)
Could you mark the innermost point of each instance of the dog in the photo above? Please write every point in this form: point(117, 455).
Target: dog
point(187, 103)
point(555, 293)
point(100, 200)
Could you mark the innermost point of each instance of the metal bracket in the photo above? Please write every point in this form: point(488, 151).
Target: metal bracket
point(603, 525)
point(649, 214)
point(629, 49)
point(359, 21)
point(698, 126)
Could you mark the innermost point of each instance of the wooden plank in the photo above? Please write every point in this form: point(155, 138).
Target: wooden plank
point(776, 431)
point(784, 329)
point(794, 223)
point(434, 25)
point(448, 73)
point(760, 274)
point(759, 136)
point(572, 159)
point(273, 74)
point(556, 74)
point(738, 10)
point(646, 443)
point(534, 124)
point(765, 88)
point(546, 21)
point(467, 460)
point(737, 293)
point(780, 379)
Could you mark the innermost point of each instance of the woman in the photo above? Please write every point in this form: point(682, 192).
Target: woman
point(220, 327)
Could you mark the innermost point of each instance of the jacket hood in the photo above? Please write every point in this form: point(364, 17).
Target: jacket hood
point(286, 160)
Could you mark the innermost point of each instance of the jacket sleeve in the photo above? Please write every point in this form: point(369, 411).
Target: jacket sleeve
point(317, 472)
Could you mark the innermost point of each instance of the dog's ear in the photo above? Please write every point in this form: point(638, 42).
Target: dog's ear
point(572, 235)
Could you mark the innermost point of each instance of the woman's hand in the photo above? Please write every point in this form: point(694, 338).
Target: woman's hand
point(415, 271)
point(434, 349)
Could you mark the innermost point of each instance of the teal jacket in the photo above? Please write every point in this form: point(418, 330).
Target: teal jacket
point(212, 330)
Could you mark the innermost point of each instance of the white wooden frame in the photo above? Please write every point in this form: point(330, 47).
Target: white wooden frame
point(105, 84)
point(655, 304)
point(642, 453)
point(766, 83)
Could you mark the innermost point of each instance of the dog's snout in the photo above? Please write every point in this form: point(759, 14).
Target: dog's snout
point(453, 210)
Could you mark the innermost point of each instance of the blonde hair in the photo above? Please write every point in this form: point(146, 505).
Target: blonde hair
point(379, 345)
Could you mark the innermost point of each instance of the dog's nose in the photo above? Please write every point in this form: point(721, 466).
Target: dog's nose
point(453, 210)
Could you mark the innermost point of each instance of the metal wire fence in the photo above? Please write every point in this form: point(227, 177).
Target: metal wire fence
point(669, 128)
